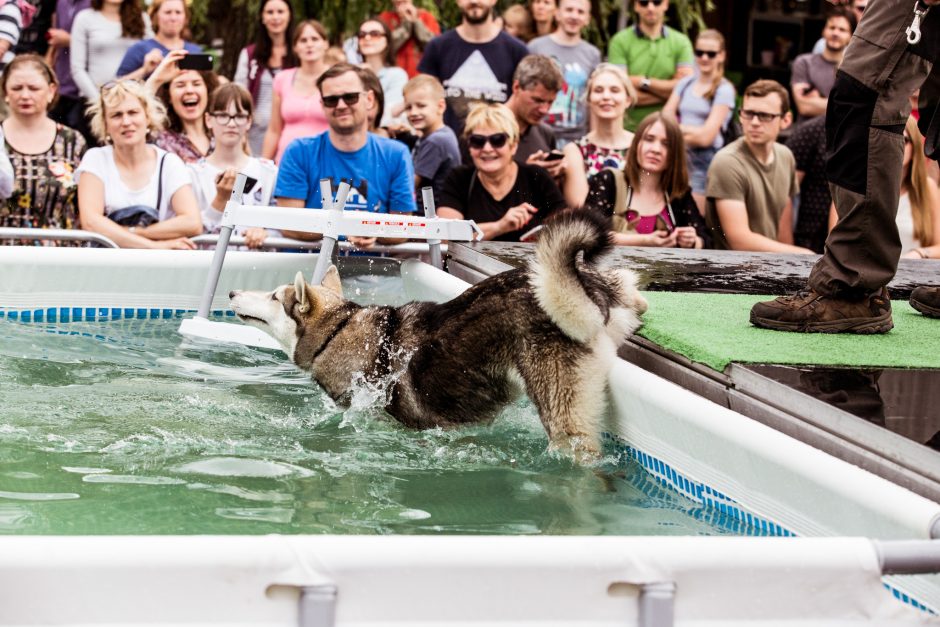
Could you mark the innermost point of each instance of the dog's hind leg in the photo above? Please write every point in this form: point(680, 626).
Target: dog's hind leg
point(571, 397)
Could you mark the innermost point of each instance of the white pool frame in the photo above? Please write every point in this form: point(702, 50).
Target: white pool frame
point(846, 517)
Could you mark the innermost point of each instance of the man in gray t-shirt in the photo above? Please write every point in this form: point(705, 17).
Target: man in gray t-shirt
point(814, 74)
point(568, 115)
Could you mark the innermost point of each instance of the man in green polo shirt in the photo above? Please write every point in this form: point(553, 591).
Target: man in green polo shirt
point(654, 55)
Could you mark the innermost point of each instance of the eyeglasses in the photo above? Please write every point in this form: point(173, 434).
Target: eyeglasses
point(224, 118)
point(496, 140)
point(747, 115)
point(711, 54)
point(331, 101)
point(646, 3)
point(374, 34)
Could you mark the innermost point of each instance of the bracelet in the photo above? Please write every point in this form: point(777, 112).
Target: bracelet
point(131, 229)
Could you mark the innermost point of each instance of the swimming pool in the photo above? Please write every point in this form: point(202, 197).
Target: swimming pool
point(719, 461)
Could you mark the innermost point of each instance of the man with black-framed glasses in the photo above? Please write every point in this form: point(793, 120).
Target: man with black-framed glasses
point(654, 55)
point(752, 180)
point(378, 169)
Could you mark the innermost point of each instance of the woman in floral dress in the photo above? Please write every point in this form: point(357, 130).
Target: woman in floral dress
point(44, 154)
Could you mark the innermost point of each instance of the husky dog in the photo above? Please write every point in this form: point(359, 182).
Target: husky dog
point(551, 331)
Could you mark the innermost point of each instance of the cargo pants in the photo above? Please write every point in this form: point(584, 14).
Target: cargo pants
point(868, 107)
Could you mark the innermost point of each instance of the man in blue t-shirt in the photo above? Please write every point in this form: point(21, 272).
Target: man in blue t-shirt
point(475, 61)
point(379, 170)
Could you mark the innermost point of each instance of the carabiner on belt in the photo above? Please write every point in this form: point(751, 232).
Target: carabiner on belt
point(913, 31)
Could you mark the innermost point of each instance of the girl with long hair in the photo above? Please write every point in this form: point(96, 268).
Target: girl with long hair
point(649, 201)
point(703, 105)
point(375, 46)
point(919, 204)
point(260, 62)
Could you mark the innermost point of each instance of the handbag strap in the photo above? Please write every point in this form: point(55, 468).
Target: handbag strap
point(160, 183)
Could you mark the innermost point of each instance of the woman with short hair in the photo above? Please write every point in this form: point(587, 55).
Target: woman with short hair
point(130, 191)
point(44, 154)
point(505, 198)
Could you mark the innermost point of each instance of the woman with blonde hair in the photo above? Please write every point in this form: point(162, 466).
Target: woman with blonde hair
point(131, 191)
point(703, 105)
point(504, 197)
point(609, 94)
point(919, 204)
point(649, 201)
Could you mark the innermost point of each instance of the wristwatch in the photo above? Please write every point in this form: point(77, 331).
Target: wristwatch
point(645, 83)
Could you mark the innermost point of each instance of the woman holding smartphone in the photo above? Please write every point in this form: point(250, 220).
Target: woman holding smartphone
point(650, 201)
point(170, 19)
point(185, 94)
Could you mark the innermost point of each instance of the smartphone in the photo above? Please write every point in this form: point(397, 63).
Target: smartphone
point(196, 61)
point(532, 234)
point(555, 155)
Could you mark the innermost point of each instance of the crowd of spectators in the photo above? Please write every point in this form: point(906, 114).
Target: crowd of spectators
point(509, 118)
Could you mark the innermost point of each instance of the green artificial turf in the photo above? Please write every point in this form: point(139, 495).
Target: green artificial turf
point(713, 329)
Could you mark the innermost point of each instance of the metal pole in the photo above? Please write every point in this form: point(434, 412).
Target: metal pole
point(427, 196)
point(317, 606)
point(215, 269)
point(324, 257)
point(657, 604)
point(909, 557)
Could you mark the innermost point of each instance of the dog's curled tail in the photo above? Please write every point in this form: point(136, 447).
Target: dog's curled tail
point(576, 299)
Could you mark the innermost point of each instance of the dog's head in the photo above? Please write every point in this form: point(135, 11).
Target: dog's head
point(290, 309)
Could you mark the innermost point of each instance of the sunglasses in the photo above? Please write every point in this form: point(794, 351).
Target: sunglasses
point(373, 34)
point(646, 3)
point(711, 54)
point(496, 140)
point(331, 101)
point(747, 115)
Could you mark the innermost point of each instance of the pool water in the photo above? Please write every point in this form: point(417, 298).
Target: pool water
point(122, 427)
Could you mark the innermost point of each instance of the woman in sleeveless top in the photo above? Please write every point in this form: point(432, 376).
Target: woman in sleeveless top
point(610, 93)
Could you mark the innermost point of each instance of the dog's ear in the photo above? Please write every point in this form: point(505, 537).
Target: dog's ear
point(331, 281)
point(300, 292)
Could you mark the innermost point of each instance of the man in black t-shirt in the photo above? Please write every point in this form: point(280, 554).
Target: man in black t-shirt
point(475, 61)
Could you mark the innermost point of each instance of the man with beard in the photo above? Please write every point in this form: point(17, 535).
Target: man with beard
point(378, 169)
point(475, 61)
point(814, 74)
point(654, 55)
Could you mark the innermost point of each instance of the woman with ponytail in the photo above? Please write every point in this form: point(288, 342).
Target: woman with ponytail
point(703, 105)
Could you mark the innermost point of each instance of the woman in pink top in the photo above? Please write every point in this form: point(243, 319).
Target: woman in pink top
point(296, 110)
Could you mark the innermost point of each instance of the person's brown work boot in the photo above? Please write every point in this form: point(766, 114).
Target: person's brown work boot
point(926, 300)
point(809, 312)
